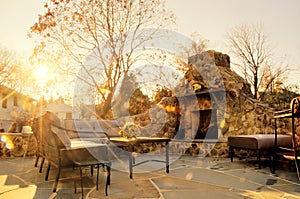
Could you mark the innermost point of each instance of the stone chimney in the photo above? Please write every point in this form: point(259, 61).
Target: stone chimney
point(220, 58)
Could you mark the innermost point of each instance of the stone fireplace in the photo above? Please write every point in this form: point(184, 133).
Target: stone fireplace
point(221, 110)
point(202, 120)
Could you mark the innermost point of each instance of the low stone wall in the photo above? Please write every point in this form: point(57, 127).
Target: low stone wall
point(212, 148)
point(17, 145)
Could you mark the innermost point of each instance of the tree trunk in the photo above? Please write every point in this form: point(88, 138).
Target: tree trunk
point(104, 110)
point(255, 85)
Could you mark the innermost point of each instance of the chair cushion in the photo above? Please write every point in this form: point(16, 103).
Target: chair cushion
point(84, 128)
point(84, 152)
point(75, 144)
point(259, 141)
point(83, 134)
point(64, 140)
point(110, 127)
point(91, 139)
point(52, 118)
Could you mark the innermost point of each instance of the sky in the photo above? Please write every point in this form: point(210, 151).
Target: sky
point(16, 17)
point(210, 18)
point(213, 18)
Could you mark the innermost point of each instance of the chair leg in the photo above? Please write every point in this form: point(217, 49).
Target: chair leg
point(81, 182)
point(75, 187)
point(108, 173)
point(56, 180)
point(107, 178)
point(272, 163)
point(36, 160)
point(297, 163)
point(259, 158)
point(92, 170)
point(41, 166)
point(231, 153)
point(97, 180)
point(47, 171)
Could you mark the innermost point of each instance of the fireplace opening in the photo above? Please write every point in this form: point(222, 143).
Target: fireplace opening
point(207, 124)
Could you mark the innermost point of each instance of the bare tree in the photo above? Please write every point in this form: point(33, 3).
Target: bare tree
point(199, 46)
point(71, 30)
point(7, 66)
point(251, 46)
point(12, 72)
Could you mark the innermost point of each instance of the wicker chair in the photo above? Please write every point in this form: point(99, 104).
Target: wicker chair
point(37, 131)
point(61, 152)
point(289, 153)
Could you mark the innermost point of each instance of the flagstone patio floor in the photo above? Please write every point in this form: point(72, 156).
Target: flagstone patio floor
point(189, 177)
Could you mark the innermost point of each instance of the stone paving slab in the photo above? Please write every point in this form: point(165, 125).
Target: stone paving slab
point(210, 185)
point(180, 188)
point(189, 177)
point(125, 188)
point(214, 178)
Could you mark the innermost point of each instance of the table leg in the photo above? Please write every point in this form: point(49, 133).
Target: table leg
point(130, 165)
point(167, 157)
point(131, 151)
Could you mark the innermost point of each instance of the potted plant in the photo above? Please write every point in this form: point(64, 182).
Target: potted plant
point(130, 130)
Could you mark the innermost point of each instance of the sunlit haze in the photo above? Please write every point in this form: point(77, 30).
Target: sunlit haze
point(211, 19)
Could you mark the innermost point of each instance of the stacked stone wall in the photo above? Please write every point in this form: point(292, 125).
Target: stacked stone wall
point(17, 145)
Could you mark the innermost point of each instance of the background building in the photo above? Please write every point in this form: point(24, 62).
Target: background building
point(14, 108)
point(62, 110)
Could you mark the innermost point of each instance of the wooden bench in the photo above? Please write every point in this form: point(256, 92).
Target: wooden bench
point(258, 143)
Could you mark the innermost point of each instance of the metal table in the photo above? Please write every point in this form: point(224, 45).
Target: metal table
point(132, 142)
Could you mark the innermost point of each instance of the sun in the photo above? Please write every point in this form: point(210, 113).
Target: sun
point(41, 72)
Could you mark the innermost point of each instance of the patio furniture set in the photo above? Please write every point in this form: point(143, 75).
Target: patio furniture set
point(278, 147)
point(81, 147)
point(64, 146)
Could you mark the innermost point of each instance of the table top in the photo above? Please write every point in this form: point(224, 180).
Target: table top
point(138, 140)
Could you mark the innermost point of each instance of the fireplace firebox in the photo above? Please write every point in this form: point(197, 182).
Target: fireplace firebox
point(204, 124)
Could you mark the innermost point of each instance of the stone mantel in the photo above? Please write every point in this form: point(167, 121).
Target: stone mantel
point(202, 92)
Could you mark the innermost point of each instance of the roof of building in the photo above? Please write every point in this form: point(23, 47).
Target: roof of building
point(57, 107)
